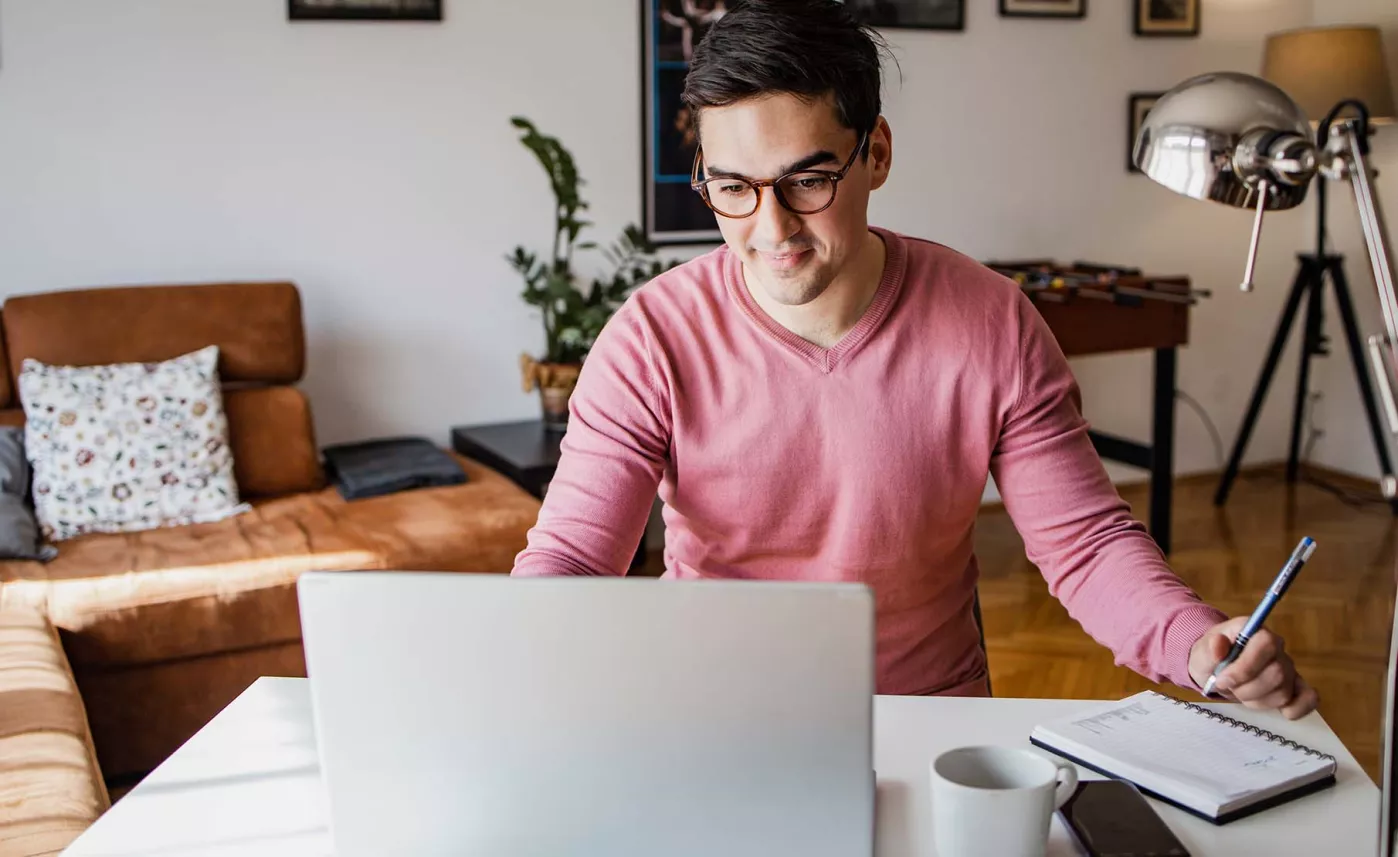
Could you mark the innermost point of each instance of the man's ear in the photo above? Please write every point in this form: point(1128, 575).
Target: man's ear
point(880, 153)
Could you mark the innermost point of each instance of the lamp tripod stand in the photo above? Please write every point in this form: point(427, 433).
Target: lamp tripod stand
point(1308, 288)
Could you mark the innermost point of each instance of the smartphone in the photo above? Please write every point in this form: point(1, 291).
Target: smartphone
point(1111, 818)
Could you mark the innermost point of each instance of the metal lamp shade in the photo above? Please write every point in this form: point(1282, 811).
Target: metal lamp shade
point(1189, 140)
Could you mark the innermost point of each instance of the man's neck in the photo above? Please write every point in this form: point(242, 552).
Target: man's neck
point(825, 320)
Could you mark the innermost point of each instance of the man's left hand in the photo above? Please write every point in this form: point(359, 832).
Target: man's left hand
point(1262, 677)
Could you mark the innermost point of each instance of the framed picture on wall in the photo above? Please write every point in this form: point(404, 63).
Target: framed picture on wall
point(1043, 8)
point(672, 212)
point(364, 10)
point(911, 14)
point(1138, 107)
point(1167, 17)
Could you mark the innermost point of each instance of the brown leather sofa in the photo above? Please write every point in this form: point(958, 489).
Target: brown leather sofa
point(165, 627)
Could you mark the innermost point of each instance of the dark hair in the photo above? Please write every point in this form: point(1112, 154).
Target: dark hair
point(807, 48)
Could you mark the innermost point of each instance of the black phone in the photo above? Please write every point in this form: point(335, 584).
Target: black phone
point(1111, 818)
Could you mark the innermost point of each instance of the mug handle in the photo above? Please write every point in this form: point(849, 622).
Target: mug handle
point(1067, 778)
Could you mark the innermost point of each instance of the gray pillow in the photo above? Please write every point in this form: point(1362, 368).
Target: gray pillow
point(19, 531)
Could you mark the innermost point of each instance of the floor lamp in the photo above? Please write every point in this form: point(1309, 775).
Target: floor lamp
point(1334, 78)
point(1243, 141)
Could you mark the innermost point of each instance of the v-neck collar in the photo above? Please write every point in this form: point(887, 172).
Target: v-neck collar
point(826, 359)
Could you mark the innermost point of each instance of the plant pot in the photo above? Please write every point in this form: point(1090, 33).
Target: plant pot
point(555, 407)
point(555, 382)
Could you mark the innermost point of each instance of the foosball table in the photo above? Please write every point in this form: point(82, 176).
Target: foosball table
point(1100, 309)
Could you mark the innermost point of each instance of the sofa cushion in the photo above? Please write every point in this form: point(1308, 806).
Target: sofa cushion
point(183, 591)
point(19, 531)
point(274, 442)
point(128, 446)
point(146, 597)
point(257, 327)
point(51, 789)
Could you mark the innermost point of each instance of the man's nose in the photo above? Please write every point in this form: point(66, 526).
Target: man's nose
point(775, 225)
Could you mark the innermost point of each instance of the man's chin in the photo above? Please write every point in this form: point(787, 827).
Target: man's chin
point(793, 292)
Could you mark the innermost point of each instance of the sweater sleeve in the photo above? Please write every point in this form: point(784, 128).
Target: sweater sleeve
point(1098, 560)
point(596, 507)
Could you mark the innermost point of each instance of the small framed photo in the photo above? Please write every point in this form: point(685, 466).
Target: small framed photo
point(911, 14)
point(1167, 17)
point(364, 10)
point(1138, 107)
point(1043, 8)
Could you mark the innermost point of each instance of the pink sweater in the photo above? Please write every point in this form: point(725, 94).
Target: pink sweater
point(779, 459)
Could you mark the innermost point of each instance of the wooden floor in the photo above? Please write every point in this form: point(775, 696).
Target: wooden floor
point(1335, 619)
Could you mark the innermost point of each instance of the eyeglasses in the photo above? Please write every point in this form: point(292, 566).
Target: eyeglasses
point(800, 192)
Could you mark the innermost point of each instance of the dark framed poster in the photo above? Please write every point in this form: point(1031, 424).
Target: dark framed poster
point(672, 213)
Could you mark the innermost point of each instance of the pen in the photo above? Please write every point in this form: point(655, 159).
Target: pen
point(1284, 577)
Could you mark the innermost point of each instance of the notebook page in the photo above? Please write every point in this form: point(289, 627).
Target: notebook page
point(1157, 736)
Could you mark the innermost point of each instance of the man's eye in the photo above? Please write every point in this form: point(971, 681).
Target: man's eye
point(811, 183)
point(733, 189)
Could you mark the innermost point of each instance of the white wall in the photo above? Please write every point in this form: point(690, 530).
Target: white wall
point(190, 140)
point(1346, 442)
point(374, 164)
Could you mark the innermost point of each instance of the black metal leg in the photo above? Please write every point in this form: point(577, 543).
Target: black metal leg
point(1310, 345)
point(1162, 443)
point(1334, 265)
point(1298, 289)
point(980, 626)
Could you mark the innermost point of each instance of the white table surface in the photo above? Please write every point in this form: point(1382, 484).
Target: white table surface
point(248, 783)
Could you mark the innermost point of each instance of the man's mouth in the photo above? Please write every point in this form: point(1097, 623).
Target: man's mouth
point(784, 260)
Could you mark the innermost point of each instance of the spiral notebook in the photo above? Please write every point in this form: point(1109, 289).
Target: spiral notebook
point(1203, 762)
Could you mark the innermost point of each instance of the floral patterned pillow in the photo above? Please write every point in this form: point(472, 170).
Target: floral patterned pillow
point(129, 446)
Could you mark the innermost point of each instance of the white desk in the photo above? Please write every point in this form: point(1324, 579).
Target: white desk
point(248, 783)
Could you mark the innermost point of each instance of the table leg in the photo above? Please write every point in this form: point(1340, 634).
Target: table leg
point(1162, 460)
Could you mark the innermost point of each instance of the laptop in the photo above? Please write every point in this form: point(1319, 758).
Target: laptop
point(548, 717)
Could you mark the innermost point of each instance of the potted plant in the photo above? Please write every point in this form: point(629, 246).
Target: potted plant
point(573, 316)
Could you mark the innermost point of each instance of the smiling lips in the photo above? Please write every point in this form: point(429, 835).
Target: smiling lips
point(785, 260)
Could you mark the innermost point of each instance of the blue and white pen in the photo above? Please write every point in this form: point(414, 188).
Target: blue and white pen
point(1284, 577)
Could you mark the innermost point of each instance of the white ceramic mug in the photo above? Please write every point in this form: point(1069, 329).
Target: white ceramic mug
point(996, 801)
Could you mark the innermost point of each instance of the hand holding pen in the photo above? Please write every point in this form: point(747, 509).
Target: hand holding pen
point(1265, 676)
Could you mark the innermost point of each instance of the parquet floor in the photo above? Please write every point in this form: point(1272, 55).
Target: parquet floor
point(1335, 619)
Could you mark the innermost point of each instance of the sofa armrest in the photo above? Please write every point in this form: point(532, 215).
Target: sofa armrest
point(51, 788)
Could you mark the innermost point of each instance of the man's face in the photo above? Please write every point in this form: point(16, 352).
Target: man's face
point(793, 257)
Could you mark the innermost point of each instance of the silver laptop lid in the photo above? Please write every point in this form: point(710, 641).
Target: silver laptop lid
point(481, 714)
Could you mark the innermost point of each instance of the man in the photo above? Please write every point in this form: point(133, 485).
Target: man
point(819, 400)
